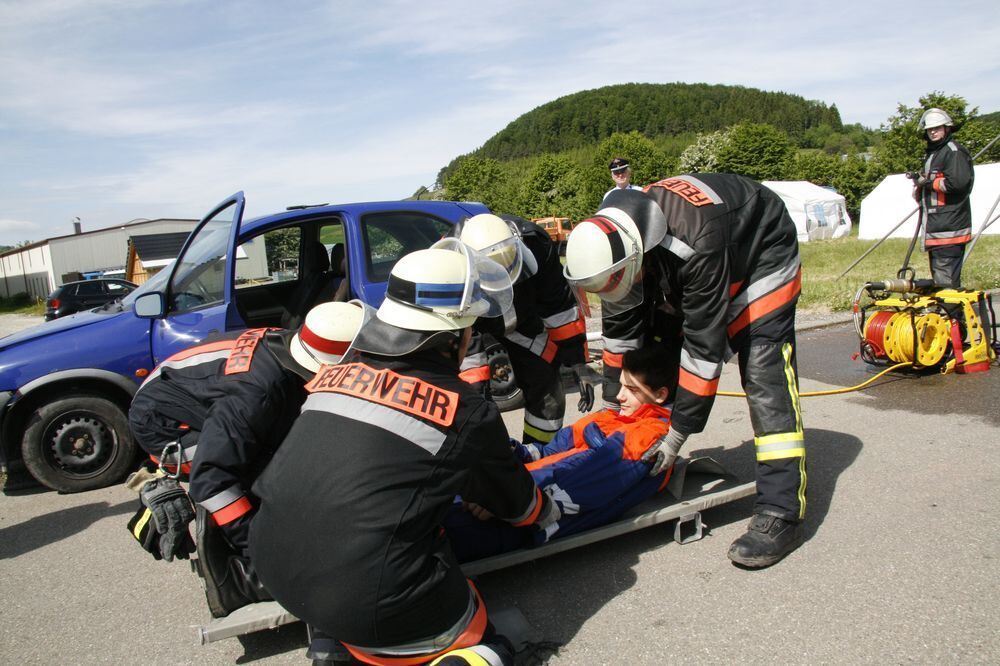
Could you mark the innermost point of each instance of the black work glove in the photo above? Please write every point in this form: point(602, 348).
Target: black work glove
point(587, 383)
point(171, 512)
point(140, 526)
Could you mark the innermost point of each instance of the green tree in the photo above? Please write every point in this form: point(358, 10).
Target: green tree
point(817, 167)
point(761, 152)
point(552, 188)
point(476, 179)
point(902, 147)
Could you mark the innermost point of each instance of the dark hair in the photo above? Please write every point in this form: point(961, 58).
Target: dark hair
point(656, 366)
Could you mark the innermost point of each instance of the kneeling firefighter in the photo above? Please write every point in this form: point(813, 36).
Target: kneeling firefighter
point(348, 536)
point(217, 412)
point(544, 330)
point(709, 265)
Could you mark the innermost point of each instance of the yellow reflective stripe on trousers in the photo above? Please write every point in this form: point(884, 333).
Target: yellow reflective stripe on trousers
point(793, 387)
point(539, 435)
point(793, 390)
point(780, 445)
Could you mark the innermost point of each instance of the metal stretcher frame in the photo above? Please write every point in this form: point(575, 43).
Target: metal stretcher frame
point(698, 485)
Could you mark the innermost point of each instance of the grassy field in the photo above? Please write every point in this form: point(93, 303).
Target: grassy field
point(823, 261)
point(21, 307)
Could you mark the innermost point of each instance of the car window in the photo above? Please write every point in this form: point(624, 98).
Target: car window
point(200, 277)
point(270, 257)
point(117, 289)
point(389, 236)
point(89, 289)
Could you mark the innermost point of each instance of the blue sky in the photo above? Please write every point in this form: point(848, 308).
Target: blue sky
point(112, 110)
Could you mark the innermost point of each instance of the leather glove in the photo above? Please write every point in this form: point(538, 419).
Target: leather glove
point(171, 511)
point(587, 383)
point(663, 453)
point(140, 526)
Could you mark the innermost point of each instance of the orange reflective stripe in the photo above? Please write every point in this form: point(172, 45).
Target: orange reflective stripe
point(475, 375)
point(734, 288)
point(231, 512)
point(569, 330)
point(696, 384)
point(534, 512)
point(185, 466)
point(550, 350)
point(203, 349)
point(472, 635)
point(957, 240)
point(767, 304)
point(938, 184)
point(612, 360)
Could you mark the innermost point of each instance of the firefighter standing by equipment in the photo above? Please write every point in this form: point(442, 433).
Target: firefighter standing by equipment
point(544, 330)
point(222, 408)
point(348, 536)
point(712, 258)
point(942, 189)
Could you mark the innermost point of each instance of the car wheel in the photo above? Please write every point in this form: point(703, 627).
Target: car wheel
point(77, 443)
point(503, 387)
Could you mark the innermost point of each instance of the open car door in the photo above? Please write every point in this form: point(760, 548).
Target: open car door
point(198, 295)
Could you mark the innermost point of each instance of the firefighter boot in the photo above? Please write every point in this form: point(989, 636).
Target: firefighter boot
point(225, 591)
point(767, 540)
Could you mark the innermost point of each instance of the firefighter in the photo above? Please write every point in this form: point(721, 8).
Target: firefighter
point(348, 536)
point(221, 409)
point(543, 331)
point(942, 188)
point(708, 265)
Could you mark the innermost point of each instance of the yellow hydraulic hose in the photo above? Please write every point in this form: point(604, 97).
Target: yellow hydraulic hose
point(812, 394)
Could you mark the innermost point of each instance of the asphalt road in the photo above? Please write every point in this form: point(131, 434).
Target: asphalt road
point(900, 563)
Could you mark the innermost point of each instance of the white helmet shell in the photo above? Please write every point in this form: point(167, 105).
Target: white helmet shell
point(935, 117)
point(496, 239)
point(604, 254)
point(327, 334)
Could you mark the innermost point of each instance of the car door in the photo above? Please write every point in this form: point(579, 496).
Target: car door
point(198, 293)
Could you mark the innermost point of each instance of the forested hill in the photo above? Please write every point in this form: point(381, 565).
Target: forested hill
point(585, 118)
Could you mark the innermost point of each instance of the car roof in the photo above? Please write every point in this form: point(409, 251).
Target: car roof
point(357, 210)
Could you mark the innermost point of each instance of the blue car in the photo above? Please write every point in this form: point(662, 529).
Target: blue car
point(65, 385)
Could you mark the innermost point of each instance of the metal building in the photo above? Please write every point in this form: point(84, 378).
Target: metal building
point(38, 268)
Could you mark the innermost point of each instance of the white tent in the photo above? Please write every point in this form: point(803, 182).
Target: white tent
point(818, 212)
point(892, 199)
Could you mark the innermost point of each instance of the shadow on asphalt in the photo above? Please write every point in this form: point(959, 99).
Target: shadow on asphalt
point(828, 454)
point(50, 528)
point(264, 644)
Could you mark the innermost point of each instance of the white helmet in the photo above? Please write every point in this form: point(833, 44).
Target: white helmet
point(435, 293)
point(932, 118)
point(496, 239)
point(604, 253)
point(327, 333)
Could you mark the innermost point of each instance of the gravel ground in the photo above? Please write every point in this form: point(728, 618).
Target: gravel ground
point(12, 323)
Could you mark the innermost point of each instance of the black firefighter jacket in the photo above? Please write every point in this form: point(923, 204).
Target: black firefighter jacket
point(232, 401)
point(730, 259)
point(944, 199)
point(349, 527)
point(549, 323)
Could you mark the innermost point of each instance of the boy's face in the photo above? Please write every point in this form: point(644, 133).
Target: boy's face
point(635, 393)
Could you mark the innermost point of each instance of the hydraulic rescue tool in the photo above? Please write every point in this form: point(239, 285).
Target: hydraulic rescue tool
point(914, 322)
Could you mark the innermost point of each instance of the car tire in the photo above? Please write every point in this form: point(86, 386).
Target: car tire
point(503, 386)
point(78, 442)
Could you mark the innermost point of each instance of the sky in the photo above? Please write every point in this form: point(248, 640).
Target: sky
point(115, 110)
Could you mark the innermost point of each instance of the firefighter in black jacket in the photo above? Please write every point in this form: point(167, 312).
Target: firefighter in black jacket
point(543, 331)
point(942, 188)
point(348, 536)
point(222, 408)
point(709, 265)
